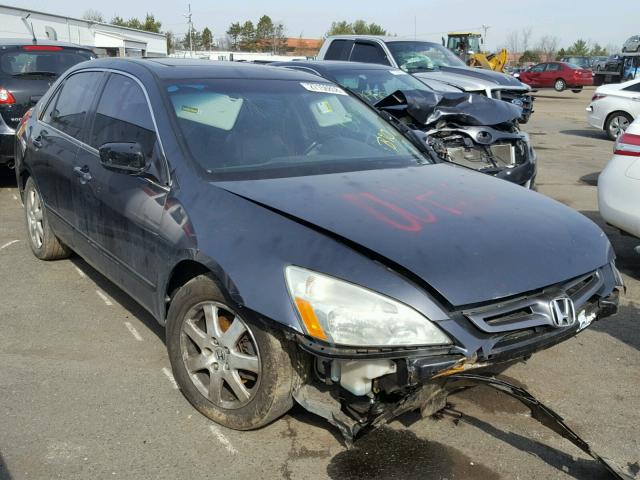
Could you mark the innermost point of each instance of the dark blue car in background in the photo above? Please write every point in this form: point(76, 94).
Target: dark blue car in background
point(295, 244)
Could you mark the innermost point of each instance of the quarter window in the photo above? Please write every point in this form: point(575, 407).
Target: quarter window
point(68, 109)
point(339, 50)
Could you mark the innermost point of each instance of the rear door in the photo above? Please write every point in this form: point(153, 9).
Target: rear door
point(119, 213)
point(552, 72)
point(28, 71)
point(55, 141)
point(339, 49)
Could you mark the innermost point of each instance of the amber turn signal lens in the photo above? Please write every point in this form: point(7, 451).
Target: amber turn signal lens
point(310, 320)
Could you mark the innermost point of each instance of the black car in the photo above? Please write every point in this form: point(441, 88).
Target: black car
point(296, 245)
point(27, 70)
point(463, 128)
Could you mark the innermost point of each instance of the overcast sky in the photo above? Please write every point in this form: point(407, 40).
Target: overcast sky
point(568, 21)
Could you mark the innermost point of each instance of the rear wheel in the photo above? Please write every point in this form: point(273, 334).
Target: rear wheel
point(616, 124)
point(43, 242)
point(239, 374)
point(560, 85)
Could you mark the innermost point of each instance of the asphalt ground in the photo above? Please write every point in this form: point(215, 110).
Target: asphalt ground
point(86, 390)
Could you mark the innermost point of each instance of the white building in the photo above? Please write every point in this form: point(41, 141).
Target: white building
point(105, 39)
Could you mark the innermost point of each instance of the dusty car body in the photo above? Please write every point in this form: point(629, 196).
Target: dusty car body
point(466, 129)
point(341, 268)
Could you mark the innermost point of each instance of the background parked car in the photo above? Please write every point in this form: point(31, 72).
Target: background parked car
point(632, 44)
point(27, 70)
point(619, 183)
point(613, 107)
point(581, 61)
point(599, 63)
point(428, 61)
point(557, 75)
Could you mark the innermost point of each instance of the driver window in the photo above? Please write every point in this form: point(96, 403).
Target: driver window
point(538, 68)
point(368, 53)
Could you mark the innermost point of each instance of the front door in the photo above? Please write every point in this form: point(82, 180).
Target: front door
point(119, 213)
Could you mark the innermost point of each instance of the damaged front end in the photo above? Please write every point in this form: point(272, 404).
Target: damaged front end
point(359, 389)
point(468, 130)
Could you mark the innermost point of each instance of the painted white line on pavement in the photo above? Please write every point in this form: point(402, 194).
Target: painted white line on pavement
point(167, 374)
point(104, 298)
point(9, 243)
point(80, 272)
point(223, 440)
point(133, 331)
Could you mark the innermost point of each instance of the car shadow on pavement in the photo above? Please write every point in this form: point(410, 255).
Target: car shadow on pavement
point(4, 470)
point(389, 453)
point(7, 178)
point(575, 467)
point(124, 300)
point(586, 133)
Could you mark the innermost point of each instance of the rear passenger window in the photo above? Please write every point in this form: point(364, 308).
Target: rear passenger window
point(339, 50)
point(68, 109)
point(553, 67)
point(123, 115)
point(369, 53)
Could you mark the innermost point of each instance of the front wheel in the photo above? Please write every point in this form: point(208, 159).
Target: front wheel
point(43, 242)
point(560, 85)
point(237, 373)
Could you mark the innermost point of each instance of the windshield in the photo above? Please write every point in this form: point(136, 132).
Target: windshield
point(240, 129)
point(374, 85)
point(25, 62)
point(422, 56)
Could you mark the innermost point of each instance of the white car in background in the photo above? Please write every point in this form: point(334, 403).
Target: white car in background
point(613, 107)
point(619, 183)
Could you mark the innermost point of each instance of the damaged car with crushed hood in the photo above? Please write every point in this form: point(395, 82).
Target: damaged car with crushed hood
point(297, 246)
point(463, 128)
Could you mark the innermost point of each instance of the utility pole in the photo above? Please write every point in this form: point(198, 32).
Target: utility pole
point(484, 35)
point(190, 23)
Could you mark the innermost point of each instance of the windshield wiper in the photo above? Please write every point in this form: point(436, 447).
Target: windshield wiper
point(36, 74)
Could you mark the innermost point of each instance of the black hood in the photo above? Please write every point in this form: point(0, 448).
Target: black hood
point(426, 107)
point(484, 74)
point(471, 237)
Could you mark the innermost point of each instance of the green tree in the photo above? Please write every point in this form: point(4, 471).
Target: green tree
point(234, 31)
point(279, 39)
point(150, 24)
point(207, 38)
point(264, 34)
point(340, 28)
point(598, 51)
point(93, 15)
point(579, 48)
point(561, 54)
point(359, 27)
point(248, 36)
point(171, 41)
point(529, 56)
point(117, 20)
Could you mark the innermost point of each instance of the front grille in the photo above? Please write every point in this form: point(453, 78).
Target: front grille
point(534, 310)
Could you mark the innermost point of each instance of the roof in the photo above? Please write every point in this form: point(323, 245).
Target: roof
point(385, 39)
point(90, 22)
point(21, 42)
point(332, 65)
point(173, 68)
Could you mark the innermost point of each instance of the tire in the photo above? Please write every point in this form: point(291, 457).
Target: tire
point(43, 242)
point(244, 399)
point(616, 124)
point(576, 90)
point(559, 85)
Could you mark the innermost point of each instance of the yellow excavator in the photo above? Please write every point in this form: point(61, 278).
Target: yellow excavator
point(468, 46)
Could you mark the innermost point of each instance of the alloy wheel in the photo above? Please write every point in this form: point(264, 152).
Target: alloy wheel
point(34, 218)
point(618, 125)
point(220, 355)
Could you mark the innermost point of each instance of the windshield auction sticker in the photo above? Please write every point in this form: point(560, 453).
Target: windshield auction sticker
point(323, 88)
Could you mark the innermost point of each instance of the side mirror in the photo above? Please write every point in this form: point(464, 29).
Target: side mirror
point(123, 157)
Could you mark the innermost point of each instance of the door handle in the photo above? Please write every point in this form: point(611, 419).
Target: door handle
point(83, 173)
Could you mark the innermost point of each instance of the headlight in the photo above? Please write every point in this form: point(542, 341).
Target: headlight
point(342, 313)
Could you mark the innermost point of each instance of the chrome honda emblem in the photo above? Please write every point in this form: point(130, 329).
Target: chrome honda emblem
point(563, 313)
